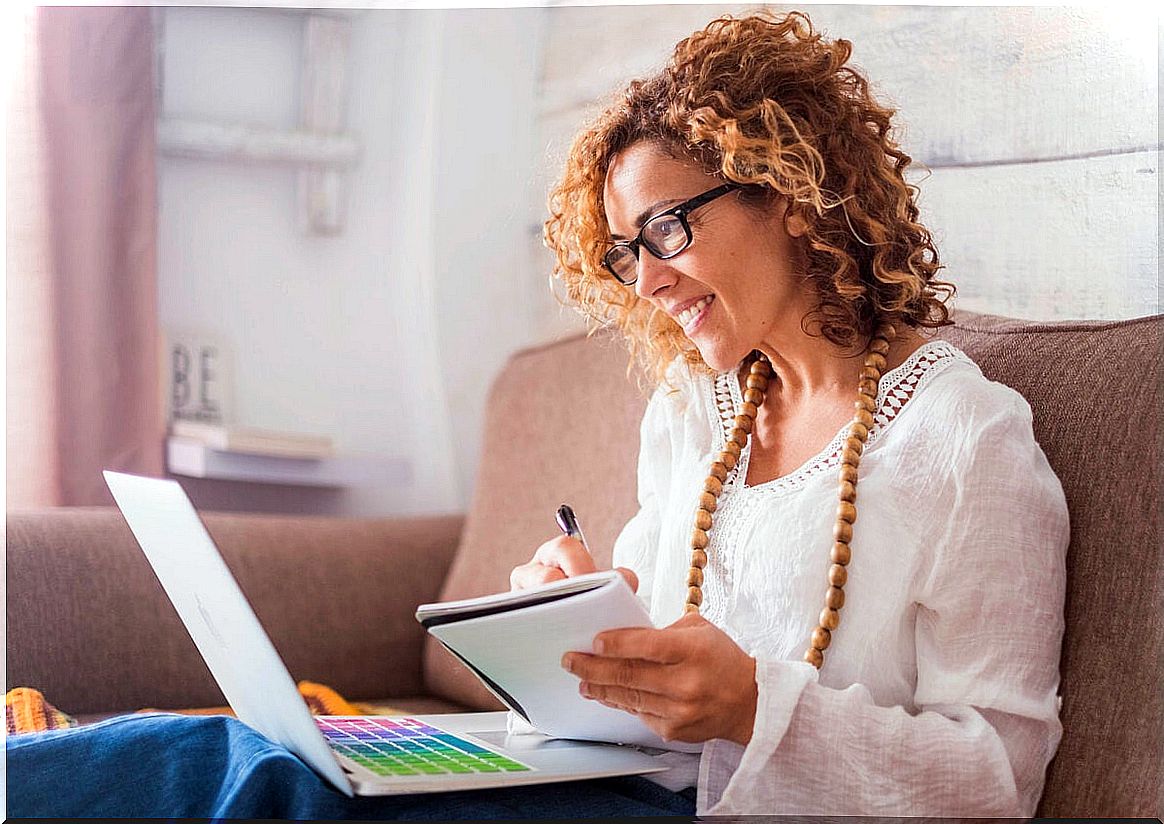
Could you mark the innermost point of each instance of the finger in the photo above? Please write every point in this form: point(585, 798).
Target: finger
point(638, 702)
point(532, 574)
point(631, 579)
point(659, 645)
point(566, 553)
point(621, 672)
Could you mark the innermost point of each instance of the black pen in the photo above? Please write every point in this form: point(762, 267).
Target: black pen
point(568, 523)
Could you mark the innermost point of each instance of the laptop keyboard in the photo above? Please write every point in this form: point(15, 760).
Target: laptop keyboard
point(405, 746)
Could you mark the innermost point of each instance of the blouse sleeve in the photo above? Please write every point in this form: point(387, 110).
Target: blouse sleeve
point(989, 624)
point(637, 544)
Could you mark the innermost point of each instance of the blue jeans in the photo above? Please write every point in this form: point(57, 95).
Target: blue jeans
point(172, 766)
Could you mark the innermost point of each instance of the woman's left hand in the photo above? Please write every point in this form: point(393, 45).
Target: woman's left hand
point(687, 682)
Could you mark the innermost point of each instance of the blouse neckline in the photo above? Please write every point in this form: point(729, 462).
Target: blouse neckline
point(894, 390)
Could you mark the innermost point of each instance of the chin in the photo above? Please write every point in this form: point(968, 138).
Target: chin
point(721, 358)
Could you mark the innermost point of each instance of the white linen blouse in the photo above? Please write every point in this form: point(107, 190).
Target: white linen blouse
point(938, 695)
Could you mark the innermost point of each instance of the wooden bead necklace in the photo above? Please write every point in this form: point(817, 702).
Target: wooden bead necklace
point(858, 433)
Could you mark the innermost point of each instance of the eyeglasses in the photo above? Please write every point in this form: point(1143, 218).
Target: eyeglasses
point(664, 235)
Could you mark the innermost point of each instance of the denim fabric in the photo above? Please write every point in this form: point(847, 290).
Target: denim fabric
point(171, 766)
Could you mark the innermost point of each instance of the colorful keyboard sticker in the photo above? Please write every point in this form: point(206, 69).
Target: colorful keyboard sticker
point(406, 746)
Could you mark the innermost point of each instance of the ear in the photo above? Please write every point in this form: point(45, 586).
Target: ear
point(796, 225)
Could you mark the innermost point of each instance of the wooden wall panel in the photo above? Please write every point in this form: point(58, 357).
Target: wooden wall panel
point(1040, 126)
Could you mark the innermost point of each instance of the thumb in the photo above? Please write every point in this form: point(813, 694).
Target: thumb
point(631, 579)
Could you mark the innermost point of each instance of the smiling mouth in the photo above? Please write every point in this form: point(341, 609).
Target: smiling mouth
point(688, 315)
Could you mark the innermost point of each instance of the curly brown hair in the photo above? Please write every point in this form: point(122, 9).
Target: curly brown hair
point(761, 100)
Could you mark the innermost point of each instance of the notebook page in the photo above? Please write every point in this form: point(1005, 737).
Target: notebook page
point(522, 652)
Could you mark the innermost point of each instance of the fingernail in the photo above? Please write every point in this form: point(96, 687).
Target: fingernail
point(568, 662)
point(584, 688)
point(599, 646)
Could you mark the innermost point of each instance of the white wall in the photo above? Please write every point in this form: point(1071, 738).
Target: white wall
point(387, 336)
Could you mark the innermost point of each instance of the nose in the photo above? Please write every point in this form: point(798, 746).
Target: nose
point(654, 275)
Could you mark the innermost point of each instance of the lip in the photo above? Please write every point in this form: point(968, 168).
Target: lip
point(696, 321)
point(679, 307)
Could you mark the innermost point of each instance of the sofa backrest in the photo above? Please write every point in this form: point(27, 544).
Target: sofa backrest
point(562, 425)
point(90, 626)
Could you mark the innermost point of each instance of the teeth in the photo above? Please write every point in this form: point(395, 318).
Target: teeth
point(687, 315)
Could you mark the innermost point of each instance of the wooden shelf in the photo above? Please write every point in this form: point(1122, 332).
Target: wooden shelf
point(194, 459)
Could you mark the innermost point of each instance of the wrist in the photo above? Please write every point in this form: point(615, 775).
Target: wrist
point(747, 715)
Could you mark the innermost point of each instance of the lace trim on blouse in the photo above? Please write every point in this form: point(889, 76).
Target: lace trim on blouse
point(894, 390)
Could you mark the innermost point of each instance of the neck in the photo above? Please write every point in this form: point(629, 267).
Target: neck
point(804, 367)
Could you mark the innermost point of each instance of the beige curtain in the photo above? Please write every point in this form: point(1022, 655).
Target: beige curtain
point(82, 339)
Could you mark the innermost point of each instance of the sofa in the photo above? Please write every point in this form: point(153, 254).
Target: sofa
point(89, 625)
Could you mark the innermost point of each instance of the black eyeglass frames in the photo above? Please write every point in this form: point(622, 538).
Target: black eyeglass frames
point(663, 235)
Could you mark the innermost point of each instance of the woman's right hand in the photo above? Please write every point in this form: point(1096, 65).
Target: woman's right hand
point(556, 559)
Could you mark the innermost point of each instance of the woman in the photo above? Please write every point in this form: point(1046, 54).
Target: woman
point(742, 217)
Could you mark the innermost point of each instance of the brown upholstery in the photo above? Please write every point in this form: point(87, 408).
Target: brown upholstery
point(89, 624)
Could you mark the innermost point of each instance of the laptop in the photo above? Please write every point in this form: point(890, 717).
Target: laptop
point(358, 755)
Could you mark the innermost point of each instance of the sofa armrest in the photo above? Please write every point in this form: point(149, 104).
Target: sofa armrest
point(89, 624)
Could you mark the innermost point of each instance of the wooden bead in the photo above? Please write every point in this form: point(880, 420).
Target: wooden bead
point(695, 577)
point(728, 459)
point(845, 512)
point(859, 431)
point(708, 502)
point(867, 387)
point(821, 638)
point(732, 447)
point(760, 366)
point(749, 410)
point(887, 331)
point(879, 346)
point(738, 436)
point(835, 598)
point(698, 558)
point(744, 423)
point(814, 657)
point(690, 608)
point(877, 361)
point(847, 492)
point(703, 519)
point(719, 471)
point(830, 619)
point(865, 402)
point(842, 532)
point(849, 474)
point(694, 595)
point(754, 396)
point(870, 373)
point(849, 456)
point(838, 575)
point(712, 485)
point(699, 539)
point(841, 553)
point(855, 444)
point(865, 417)
point(757, 382)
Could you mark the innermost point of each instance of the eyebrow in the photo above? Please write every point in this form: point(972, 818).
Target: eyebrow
point(649, 212)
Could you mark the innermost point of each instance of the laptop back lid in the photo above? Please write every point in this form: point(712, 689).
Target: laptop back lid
point(215, 612)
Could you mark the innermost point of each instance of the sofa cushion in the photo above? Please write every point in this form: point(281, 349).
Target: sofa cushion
point(562, 425)
point(1095, 392)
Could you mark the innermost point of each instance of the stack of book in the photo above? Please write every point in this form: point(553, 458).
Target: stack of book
point(250, 441)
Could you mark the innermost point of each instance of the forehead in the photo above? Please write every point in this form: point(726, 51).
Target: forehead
point(644, 176)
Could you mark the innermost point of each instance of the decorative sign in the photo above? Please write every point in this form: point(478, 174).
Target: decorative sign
point(199, 386)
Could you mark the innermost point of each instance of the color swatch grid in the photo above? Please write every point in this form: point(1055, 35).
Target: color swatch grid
point(405, 746)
